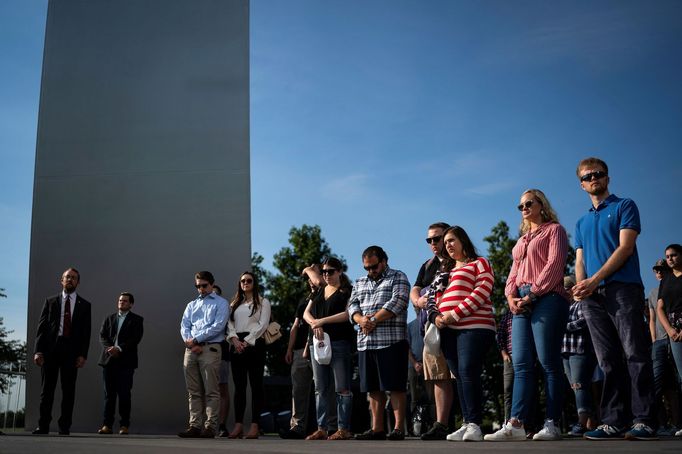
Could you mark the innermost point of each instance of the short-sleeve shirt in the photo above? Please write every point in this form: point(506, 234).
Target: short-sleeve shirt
point(335, 304)
point(670, 292)
point(652, 301)
point(597, 233)
point(302, 333)
point(427, 272)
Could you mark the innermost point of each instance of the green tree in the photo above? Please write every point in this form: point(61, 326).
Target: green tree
point(286, 288)
point(12, 353)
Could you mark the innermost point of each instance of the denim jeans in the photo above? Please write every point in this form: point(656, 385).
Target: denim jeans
point(541, 330)
point(615, 318)
point(579, 369)
point(507, 387)
point(676, 349)
point(465, 351)
point(339, 371)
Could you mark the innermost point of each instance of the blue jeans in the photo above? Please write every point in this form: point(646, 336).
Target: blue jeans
point(465, 351)
point(541, 331)
point(579, 369)
point(615, 318)
point(676, 349)
point(341, 368)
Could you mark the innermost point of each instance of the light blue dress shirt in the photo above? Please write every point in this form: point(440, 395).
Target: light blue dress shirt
point(205, 318)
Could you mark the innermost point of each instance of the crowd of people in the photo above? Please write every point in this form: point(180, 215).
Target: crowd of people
point(586, 329)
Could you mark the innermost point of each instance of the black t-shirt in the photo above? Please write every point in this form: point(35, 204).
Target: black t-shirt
point(303, 327)
point(670, 292)
point(427, 272)
point(335, 304)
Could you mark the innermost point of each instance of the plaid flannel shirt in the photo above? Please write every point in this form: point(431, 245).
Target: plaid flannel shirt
point(577, 339)
point(389, 292)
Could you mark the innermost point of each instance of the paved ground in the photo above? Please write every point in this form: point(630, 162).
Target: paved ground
point(24, 443)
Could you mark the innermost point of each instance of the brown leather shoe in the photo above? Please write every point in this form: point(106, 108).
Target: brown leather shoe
point(317, 435)
point(123, 430)
point(105, 430)
point(341, 434)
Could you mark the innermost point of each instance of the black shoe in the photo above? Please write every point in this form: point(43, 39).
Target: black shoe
point(295, 433)
point(64, 432)
point(371, 435)
point(41, 431)
point(396, 435)
point(223, 432)
point(437, 432)
point(191, 432)
point(208, 433)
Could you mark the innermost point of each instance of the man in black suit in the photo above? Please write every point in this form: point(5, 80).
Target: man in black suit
point(61, 347)
point(120, 334)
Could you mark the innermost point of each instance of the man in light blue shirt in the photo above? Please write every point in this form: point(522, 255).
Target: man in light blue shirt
point(202, 329)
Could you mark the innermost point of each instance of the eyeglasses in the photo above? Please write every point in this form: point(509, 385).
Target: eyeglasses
point(202, 285)
point(246, 281)
point(525, 205)
point(328, 271)
point(434, 239)
point(372, 267)
point(593, 176)
point(671, 256)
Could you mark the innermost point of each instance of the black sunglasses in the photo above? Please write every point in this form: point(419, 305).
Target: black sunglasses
point(593, 176)
point(202, 285)
point(246, 281)
point(434, 239)
point(372, 267)
point(526, 205)
point(329, 271)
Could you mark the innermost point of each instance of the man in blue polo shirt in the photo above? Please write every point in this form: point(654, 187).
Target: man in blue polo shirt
point(607, 271)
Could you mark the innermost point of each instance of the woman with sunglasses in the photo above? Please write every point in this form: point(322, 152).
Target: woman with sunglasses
point(459, 304)
point(326, 313)
point(537, 298)
point(249, 318)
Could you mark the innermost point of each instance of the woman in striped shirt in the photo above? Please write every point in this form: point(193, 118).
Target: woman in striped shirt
point(459, 304)
point(537, 298)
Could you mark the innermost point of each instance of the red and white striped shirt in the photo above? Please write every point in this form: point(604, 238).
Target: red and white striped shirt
point(539, 260)
point(467, 296)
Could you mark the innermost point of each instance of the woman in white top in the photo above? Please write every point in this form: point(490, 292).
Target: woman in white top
point(249, 318)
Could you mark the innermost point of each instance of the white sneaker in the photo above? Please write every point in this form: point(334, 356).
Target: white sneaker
point(507, 433)
point(678, 433)
point(473, 433)
point(549, 432)
point(458, 434)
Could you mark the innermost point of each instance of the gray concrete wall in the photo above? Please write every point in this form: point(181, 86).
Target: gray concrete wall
point(141, 179)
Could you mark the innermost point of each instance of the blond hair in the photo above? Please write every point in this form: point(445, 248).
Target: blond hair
point(547, 212)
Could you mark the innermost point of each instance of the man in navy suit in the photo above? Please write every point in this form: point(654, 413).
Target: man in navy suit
point(120, 334)
point(61, 347)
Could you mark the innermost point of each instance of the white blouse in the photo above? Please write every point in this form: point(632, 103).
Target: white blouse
point(255, 324)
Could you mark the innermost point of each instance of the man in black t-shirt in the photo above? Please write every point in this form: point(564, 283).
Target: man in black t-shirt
point(435, 369)
point(669, 307)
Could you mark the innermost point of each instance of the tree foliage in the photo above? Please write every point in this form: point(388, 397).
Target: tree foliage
point(286, 288)
point(12, 353)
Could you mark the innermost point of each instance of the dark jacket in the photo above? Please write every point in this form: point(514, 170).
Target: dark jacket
point(128, 337)
point(48, 327)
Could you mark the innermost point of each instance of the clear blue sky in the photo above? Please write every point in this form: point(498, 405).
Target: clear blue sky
point(375, 118)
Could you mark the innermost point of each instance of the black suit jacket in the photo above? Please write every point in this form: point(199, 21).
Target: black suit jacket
point(128, 337)
point(48, 327)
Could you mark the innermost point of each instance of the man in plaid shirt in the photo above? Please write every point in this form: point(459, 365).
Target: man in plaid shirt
point(378, 305)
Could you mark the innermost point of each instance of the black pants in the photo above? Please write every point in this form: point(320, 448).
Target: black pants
point(60, 362)
point(252, 363)
point(118, 383)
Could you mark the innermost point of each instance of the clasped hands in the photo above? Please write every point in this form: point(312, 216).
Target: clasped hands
point(519, 305)
point(193, 346)
point(442, 320)
point(239, 346)
point(366, 325)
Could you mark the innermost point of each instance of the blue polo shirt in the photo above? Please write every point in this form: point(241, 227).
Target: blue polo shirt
point(597, 234)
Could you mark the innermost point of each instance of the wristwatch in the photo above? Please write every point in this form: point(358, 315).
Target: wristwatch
point(373, 319)
point(532, 297)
